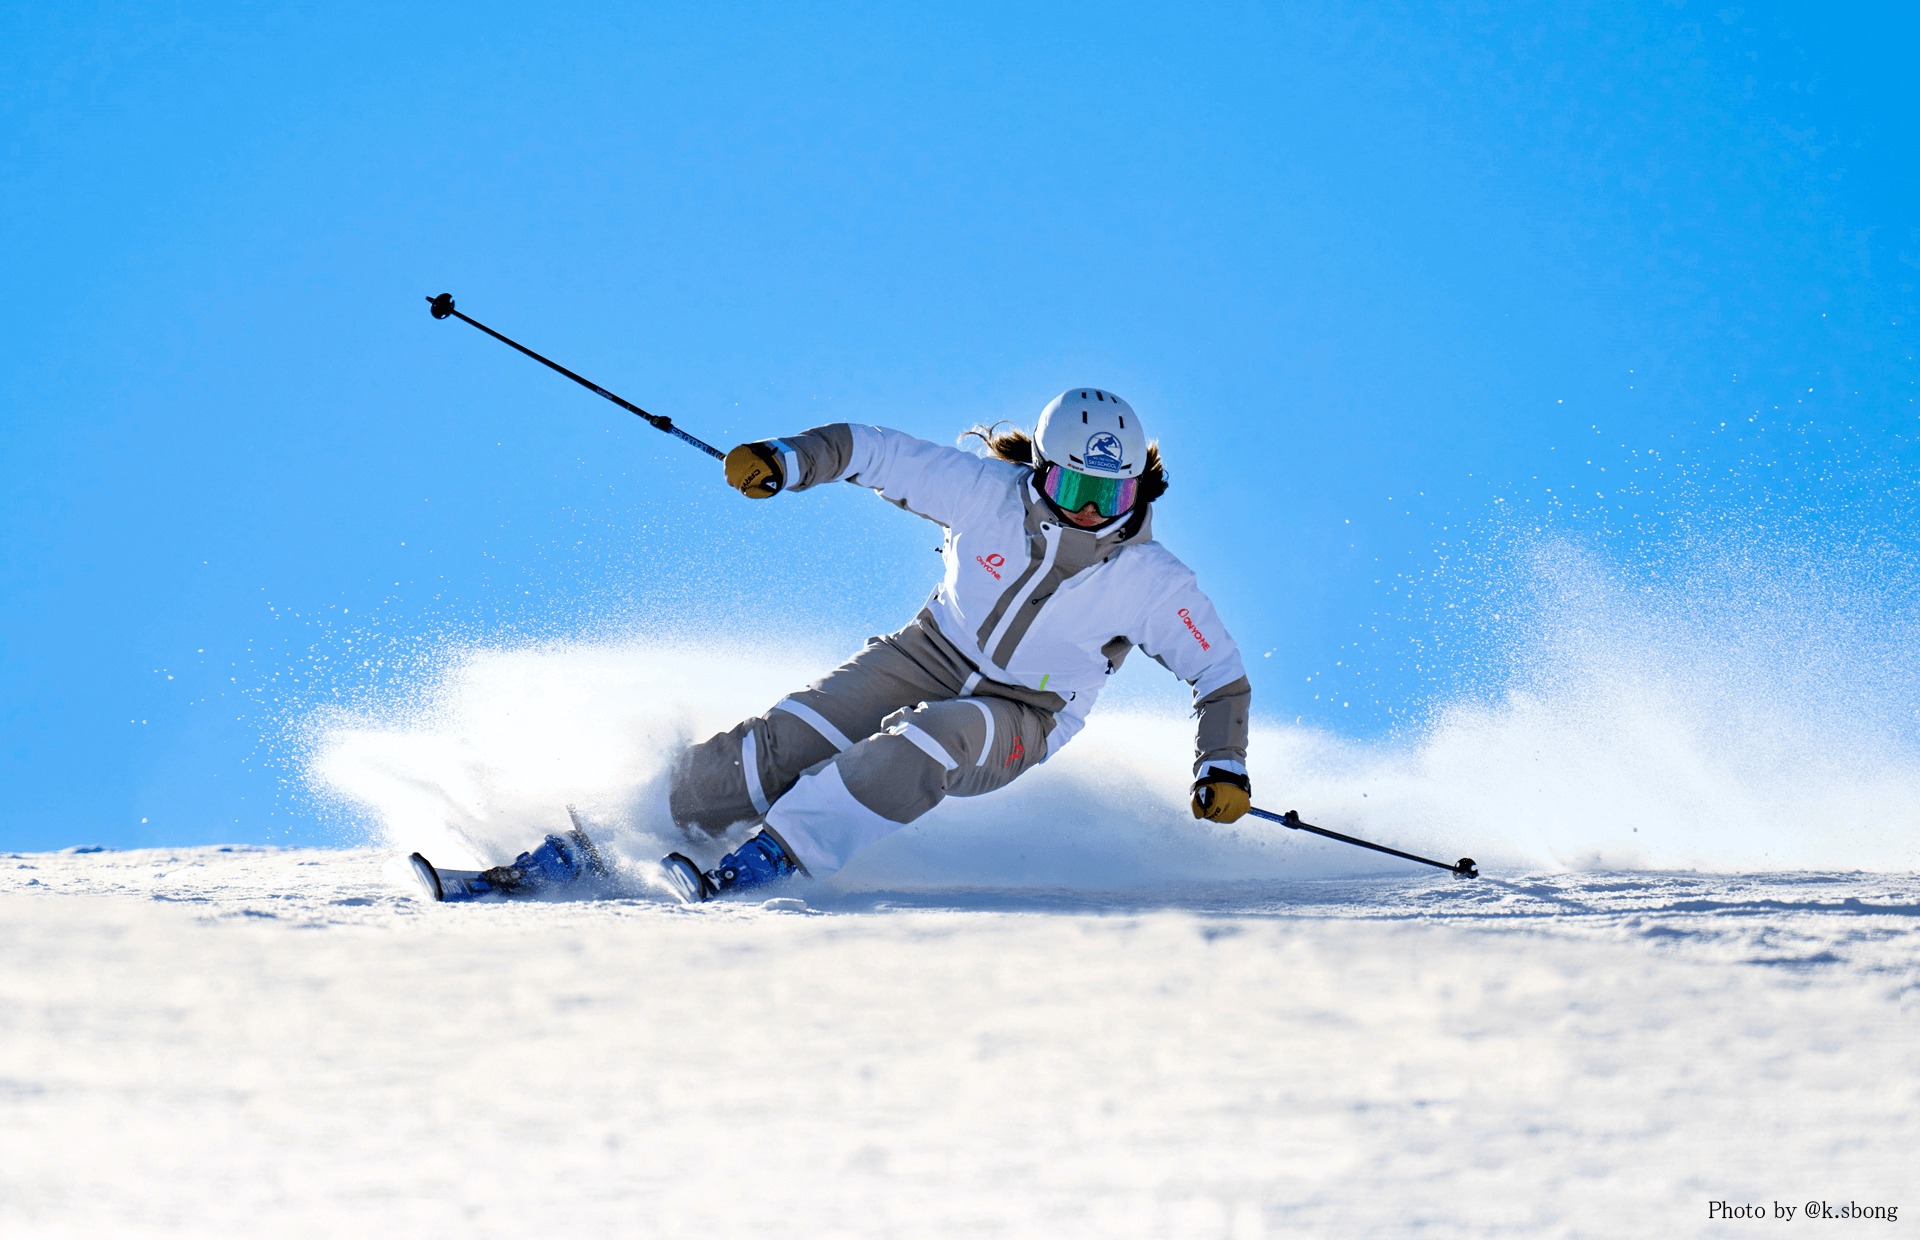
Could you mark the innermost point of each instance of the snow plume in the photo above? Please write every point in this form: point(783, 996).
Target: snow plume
point(1735, 711)
point(1711, 665)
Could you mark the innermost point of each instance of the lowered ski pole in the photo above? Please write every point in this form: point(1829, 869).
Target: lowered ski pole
point(1464, 868)
point(443, 306)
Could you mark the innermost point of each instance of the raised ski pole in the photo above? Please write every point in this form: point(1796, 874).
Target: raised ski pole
point(1463, 868)
point(442, 306)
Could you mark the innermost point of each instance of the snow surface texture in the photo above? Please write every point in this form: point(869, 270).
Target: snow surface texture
point(253, 1042)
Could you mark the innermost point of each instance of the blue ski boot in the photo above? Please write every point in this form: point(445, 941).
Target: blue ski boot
point(759, 861)
point(558, 859)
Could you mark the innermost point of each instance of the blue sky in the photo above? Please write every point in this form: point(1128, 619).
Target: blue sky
point(1360, 267)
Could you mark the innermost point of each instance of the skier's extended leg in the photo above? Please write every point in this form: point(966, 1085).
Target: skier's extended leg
point(960, 747)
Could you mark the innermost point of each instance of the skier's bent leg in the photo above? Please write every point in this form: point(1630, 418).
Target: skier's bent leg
point(736, 775)
point(960, 747)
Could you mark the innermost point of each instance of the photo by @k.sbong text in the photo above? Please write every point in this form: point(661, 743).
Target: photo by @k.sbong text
point(1811, 1210)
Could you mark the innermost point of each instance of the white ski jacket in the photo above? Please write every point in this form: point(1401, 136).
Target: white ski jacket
point(1034, 603)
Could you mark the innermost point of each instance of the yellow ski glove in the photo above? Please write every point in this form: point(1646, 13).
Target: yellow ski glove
point(1221, 796)
point(754, 471)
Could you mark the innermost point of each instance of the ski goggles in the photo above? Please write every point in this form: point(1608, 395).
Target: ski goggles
point(1071, 491)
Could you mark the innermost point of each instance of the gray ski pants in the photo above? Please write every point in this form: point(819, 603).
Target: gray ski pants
point(876, 743)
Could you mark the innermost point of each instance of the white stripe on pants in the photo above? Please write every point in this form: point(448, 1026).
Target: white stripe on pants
point(823, 824)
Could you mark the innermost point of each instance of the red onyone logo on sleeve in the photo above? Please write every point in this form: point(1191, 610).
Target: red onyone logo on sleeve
point(1186, 618)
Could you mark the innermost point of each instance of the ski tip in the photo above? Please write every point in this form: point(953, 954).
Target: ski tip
point(427, 876)
point(685, 878)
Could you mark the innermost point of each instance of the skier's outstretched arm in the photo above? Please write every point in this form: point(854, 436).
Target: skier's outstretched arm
point(928, 479)
point(1185, 636)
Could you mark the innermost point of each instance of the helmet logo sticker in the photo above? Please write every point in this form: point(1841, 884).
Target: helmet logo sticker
point(1103, 452)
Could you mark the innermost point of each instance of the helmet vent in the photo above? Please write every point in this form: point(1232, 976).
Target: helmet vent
point(1083, 415)
point(1123, 421)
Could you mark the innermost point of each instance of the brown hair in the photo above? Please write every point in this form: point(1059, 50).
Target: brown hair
point(1017, 446)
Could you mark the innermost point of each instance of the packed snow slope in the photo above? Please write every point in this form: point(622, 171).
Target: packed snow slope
point(258, 1042)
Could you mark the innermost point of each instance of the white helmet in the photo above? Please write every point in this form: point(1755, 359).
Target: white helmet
point(1094, 432)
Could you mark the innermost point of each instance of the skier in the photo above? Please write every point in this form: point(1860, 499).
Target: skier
point(1052, 577)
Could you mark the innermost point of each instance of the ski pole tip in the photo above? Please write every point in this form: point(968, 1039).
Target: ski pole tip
point(442, 305)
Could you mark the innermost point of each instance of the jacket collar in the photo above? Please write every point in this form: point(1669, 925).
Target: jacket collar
point(1082, 548)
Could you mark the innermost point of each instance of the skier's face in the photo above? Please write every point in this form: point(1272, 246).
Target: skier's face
point(1088, 517)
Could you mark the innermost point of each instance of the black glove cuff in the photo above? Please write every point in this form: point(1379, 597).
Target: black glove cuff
point(1215, 775)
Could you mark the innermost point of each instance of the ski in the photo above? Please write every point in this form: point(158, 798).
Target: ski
point(686, 879)
point(451, 885)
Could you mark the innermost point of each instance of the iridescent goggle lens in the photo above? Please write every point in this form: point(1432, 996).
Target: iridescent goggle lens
point(1073, 491)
